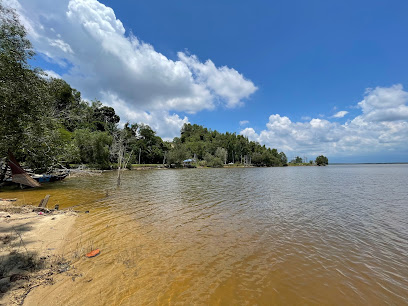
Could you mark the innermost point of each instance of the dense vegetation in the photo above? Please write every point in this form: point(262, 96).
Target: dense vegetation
point(216, 149)
point(46, 123)
point(322, 160)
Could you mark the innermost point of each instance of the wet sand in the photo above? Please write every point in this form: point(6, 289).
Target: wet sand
point(32, 249)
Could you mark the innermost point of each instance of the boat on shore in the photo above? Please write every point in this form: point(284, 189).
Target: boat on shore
point(45, 178)
point(20, 176)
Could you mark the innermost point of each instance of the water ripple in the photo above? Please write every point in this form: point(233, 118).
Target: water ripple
point(296, 235)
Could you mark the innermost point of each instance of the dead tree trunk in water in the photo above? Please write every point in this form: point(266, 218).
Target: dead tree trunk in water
point(120, 159)
point(119, 150)
point(122, 162)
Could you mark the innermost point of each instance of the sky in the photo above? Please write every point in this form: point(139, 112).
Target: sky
point(304, 77)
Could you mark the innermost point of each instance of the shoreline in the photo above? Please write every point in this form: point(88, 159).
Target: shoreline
point(32, 243)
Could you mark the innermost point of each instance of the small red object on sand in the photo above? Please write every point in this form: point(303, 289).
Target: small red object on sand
point(93, 253)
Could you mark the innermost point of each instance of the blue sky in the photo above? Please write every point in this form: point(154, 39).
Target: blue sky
point(306, 77)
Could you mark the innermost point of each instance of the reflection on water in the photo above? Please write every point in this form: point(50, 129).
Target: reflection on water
point(304, 235)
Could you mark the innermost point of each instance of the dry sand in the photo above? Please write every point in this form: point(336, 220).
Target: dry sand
point(32, 244)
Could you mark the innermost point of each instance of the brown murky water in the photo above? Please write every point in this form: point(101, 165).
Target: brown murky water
point(302, 235)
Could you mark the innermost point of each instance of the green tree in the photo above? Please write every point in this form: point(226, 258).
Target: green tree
point(283, 159)
point(322, 160)
point(67, 105)
point(177, 154)
point(93, 147)
point(27, 127)
point(270, 160)
point(213, 161)
point(21, 91)
point(256, 159)
point(150, 148)
point(221, 153)
point(105, 118)
point(216, 162)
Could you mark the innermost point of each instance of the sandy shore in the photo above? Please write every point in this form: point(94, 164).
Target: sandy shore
point(32, 244)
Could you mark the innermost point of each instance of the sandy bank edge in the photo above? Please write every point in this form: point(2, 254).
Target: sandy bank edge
point(31, 249)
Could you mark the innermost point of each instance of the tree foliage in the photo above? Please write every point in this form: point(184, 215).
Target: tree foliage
point(177, 154)
point(207, 145)
point(23, 93)
point(322, 160)
point(93, 147)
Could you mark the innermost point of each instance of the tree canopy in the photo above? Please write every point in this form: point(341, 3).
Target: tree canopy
point(206, 144)
point(322, 160)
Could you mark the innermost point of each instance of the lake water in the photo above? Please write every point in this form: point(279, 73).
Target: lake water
point(294, 235)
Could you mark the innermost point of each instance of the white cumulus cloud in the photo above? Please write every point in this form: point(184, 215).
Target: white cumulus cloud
point(379, 128)
point(61, 45)
point(225, 82)
point(385, 104)
point(87, 38)
point(340, 114)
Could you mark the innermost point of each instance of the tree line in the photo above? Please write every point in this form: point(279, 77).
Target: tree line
point(321, 160)
point(214, 149)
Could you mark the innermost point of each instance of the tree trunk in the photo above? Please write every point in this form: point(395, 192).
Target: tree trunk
point(120, 158)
